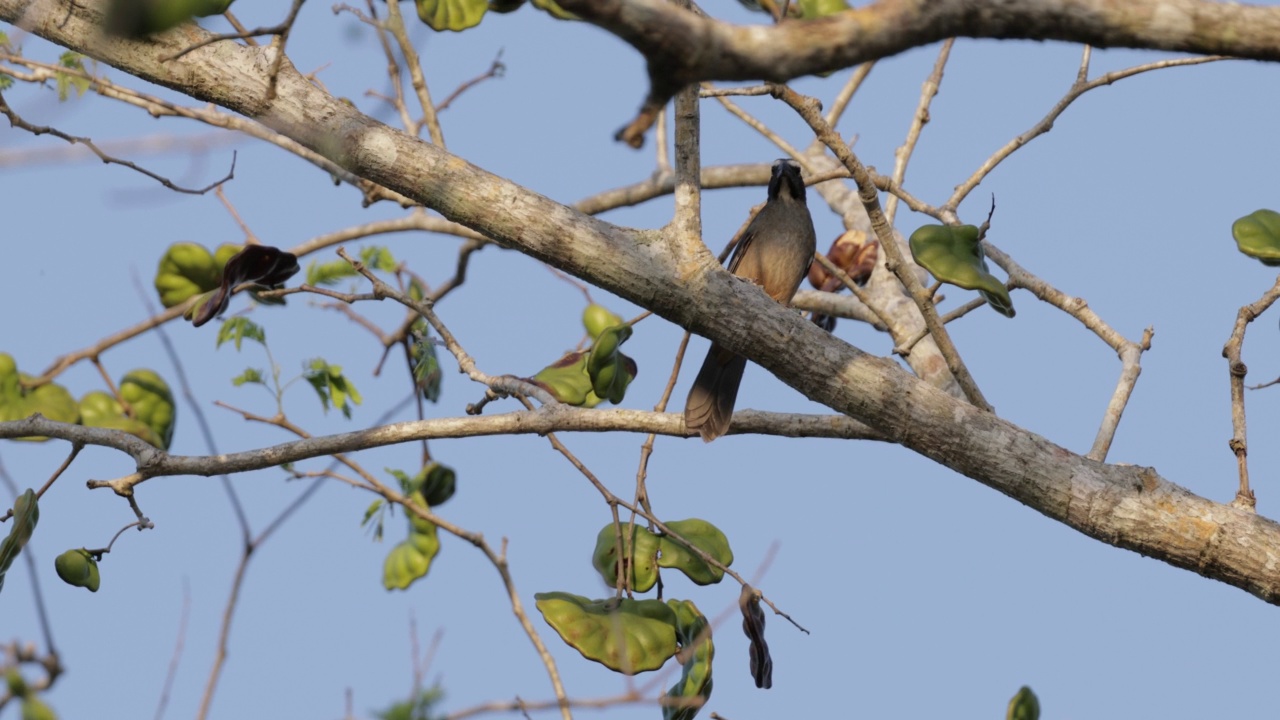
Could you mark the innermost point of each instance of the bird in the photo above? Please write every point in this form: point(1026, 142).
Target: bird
point(775, 252)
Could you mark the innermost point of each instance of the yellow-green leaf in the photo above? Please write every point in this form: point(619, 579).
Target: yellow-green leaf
point(1258, 236)
point(953, 254)
point(629, 636)
point(451, 14)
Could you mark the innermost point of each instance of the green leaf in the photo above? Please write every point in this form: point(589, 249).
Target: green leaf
point(250, 375)
point(239, 328)
point(411, 559)
point(152, 402)
point(376, 257)
point(329, 273)
point(629, 636)
point(332, 386)
point(643, 558)
point(610, 370)
point(100, 409)
point(427, 374)
point(139, 18)
point(26, 513)
point(378, 508)
point(435, 482)
point(451, 14)
point(550, 7)
point(1258, 236)
point(78, 568)
point(1024, 706)
point(953, 254)
point(440, 484)
point(416, 708)
point(705, 537)
point(597, 318)
point(16, 682)
point(186, 270)
point(33, 708)
point(417, 293)
point(692, 691)
point(505, 6)
point(407, 486)
point(567, 380)
point(819, 8)
point(18, 403)
point(67, 82)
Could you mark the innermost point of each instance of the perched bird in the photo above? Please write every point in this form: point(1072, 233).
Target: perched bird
point(774, 252)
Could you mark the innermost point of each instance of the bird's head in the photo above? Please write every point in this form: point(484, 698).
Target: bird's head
point(786, 177)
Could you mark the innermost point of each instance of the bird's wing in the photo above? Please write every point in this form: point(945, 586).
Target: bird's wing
point(741, 250)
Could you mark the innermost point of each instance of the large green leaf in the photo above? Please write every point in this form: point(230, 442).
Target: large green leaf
point(451, 14)
point(953, 253)
point(610, 370)
point(705, 537)
point(567, 380)
point(819, 8)
point(152, 402)
point(1024, 706)
point(139, 18)
point(185, 270)
point(629, 636)
point(1258, 236)
point(693, 689)
point(18, 403)
point(78, 568)
point(597, 318)
point(26, 512)
point(551, 8)
point(411, 559)
point(641, 554)
point(100, 409)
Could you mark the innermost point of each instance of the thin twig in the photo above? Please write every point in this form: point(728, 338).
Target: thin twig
point(172, 672)
point(1236, 371)
point(466, 363)
point(851, 86)
point(902, 155)
point(496, 70)
point(209, 115)
point(1130, 353)
point(18, 122)
point(755, 124)
point(395, 26)
point(1078, 88)
point(278, 44)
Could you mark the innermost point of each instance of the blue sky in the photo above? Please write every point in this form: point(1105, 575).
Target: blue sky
point(927, 594)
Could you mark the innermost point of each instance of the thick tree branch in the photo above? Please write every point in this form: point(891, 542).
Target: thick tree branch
point(664, 34)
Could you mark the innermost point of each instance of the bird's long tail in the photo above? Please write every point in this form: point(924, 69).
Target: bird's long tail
point(710, 404)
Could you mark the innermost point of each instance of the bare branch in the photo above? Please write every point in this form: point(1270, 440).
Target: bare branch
point(1236, 371)
point(902, 155)
point(1080, 87)
point(18, 122)
point(496, 70)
